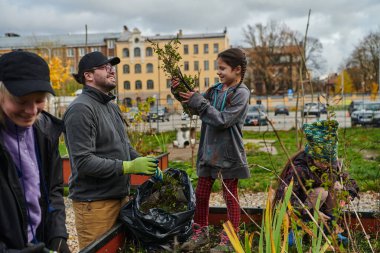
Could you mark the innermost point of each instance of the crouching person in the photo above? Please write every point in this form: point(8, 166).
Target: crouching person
point(318, 170)
point(32, 215)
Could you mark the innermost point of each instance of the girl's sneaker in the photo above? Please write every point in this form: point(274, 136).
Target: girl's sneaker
point(199, 239)
point(224, 245)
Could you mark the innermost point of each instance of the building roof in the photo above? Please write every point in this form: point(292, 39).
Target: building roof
point(68, 40)
point(79, 40)
point(187, 36)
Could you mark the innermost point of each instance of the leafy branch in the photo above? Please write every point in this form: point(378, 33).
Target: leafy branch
point(170, 58)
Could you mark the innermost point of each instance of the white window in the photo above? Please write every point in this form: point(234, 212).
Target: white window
point(82, 51)
point(110, 44)
point(70, 52)
point(95, 49)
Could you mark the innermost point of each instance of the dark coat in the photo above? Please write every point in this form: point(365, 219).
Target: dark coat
point(97, 141)
point(311, 177)
point(13, 212)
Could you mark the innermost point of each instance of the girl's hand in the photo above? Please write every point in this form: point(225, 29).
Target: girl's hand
point(175, 82)
point(186, 96)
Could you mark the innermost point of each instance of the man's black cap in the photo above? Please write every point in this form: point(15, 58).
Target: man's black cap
point(93, 60)
point(24, 72)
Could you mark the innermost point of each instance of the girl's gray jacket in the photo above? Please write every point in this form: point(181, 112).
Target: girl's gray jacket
point(221, 145)
point(97, 141)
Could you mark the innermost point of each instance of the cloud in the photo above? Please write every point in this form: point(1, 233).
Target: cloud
point(338, 24)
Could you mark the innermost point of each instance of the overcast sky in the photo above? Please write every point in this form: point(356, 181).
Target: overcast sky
point(338, 24)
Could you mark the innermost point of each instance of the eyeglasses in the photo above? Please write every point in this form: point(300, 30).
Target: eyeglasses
point(107, 67)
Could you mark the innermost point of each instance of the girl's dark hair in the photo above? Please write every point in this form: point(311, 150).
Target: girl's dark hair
point(235, 57)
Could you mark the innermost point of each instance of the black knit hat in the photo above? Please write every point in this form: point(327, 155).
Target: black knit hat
point(24, 72)
point(92, 60)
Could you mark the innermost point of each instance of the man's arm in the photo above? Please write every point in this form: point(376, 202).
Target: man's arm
point(80, 136)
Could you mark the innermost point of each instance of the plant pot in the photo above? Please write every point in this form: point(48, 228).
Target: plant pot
point(66, 170)
point(136, 180)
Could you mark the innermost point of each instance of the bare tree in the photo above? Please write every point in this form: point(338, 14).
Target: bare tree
point(313, 55)
point(266, 46)
point(275, 54)
point(365, 61)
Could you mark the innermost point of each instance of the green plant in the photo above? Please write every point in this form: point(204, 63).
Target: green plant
point(275, 226)
point(162, 140)
point(170, 58)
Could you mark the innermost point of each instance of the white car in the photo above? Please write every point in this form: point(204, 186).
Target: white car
point(312, 109)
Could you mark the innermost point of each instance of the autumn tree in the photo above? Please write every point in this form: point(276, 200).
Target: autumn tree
point(59, 73)
point(346, 84)
point(61, 80)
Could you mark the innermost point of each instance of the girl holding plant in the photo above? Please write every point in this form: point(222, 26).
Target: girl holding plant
point(222, 109)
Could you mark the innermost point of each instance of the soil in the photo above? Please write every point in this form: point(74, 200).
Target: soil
point(182, 154)
point(167, 195)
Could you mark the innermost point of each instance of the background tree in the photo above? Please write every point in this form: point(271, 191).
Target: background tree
point(347, 83)
point(59, 73)
point(275, 53)
point(266, 41)
point(313, 56)
point(365, 58)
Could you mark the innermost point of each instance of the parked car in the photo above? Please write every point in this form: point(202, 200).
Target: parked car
point(376, 118)
point(158, 113)
point(366, 114)
point(314, 109)
point(354, 105)
point(281, 109)
point(256, 116)
point(130, 114)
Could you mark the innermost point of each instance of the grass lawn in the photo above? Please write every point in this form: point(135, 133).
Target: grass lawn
point(359, 147)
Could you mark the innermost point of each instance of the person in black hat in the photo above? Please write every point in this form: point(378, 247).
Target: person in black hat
point(32, 214)
point(100, 152)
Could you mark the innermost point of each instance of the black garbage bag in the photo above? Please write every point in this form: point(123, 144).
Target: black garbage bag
point(152, 223)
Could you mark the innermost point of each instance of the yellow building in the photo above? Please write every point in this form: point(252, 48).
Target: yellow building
point(140, 77)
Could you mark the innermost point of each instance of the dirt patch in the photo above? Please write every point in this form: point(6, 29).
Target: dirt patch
point(182, 154)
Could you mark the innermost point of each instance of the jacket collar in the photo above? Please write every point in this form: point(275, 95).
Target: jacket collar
point(97, 94)
point(49, 125)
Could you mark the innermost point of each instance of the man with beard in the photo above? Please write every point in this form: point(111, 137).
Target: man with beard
point(100, 153)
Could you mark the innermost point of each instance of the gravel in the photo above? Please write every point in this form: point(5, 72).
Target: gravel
point(369, 201)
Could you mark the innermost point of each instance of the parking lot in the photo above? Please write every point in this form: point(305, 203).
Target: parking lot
point(280, 122)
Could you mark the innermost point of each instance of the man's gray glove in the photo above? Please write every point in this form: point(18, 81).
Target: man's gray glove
point(141, 165)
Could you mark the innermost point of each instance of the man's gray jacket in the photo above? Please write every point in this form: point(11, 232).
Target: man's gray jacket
point(97, 143)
